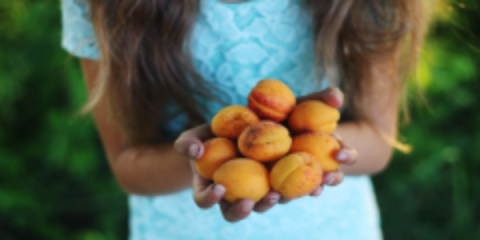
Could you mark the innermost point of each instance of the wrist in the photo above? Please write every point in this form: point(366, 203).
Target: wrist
point(152, 170)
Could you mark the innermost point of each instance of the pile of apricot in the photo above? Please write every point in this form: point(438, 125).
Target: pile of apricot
point(272, 143)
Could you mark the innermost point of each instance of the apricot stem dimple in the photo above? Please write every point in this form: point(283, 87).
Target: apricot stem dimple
point(288, 175)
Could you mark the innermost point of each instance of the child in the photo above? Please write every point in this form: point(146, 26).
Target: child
point(157, 68)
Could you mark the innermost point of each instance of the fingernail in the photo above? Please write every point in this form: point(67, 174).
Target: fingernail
point(342, 156)
point(330, 180)
point(193, 151)
point(337, 93)
point(218, 190)
point(272, 200)
point(246, 207)
point(338, 97)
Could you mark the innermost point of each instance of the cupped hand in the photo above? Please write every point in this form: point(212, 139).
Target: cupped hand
point(346, 155)
point(205, 193)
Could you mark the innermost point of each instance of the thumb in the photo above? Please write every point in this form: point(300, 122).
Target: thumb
point(332, 96)
point(190, 148)
point(190, 142)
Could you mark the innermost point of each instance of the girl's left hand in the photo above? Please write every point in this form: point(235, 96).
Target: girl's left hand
point(346, 155)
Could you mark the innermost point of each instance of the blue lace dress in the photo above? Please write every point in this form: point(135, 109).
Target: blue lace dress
point(234, 46)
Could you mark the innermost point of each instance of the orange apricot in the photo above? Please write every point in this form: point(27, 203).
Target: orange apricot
point(272, 100)
point(243, 178)
point(296, 175)
point(313, 116)
point(322, 146)
point(216, 152)
point(265, 141)
point(231, 121)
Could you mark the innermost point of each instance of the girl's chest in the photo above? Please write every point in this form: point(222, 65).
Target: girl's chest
point(237, 44)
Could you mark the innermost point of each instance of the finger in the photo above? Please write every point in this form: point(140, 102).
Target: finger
point(346, 155)
point(237, 211)
point(284, 200)
point(336, 136)
point(317, 192)
point(205, 194)
point(190, 143)
point(333, 178)
point(267, 202)
point(331, 96)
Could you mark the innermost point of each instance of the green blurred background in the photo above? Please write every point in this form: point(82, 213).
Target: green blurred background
point(55, 182)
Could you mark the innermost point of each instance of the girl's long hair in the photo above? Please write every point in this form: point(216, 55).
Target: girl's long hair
point(145, 66)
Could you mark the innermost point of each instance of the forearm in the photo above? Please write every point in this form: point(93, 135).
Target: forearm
point(381, 106)
point(152, 170)
point(149, 170)
point(374, 152)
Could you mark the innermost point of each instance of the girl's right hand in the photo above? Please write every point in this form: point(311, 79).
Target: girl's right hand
point(205, 192)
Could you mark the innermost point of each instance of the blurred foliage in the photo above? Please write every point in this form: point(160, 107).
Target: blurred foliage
point(55, 182)
point(433, 193)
